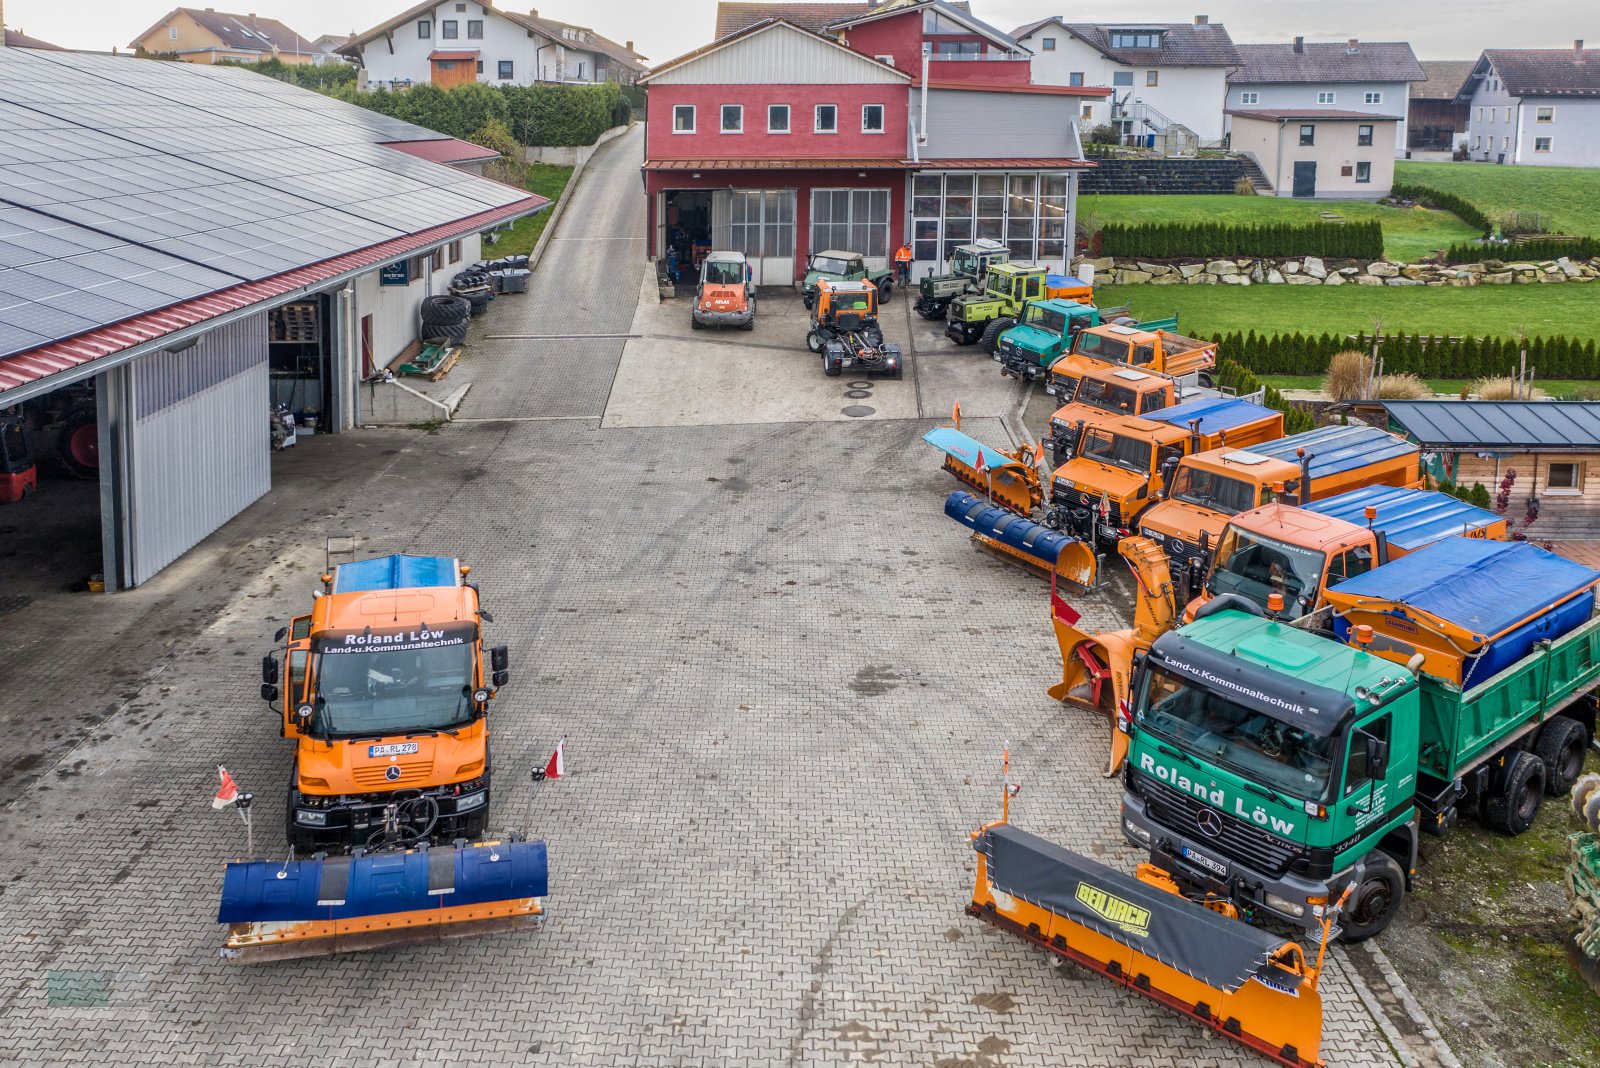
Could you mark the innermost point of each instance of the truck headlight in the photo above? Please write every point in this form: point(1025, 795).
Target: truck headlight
point(310, 819)
point(468, 802)
point(1293, 908)
point(1136, 831)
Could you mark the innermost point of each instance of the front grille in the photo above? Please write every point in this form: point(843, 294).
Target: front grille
point(411, 772)
point(1239, 840)
point(1091, 501)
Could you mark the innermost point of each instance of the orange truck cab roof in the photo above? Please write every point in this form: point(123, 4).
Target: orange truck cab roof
point(1109, 388)
point(1151, 350)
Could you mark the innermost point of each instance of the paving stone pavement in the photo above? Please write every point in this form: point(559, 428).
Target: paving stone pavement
point(783, 679)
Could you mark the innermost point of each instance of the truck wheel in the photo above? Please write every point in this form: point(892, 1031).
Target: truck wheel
point(885, 290)
point(814, 341)
point(475, 825)
point(1376, 899)
point(1515, 805)
point(1561, 747)
point(992, 332)
point(695, 322)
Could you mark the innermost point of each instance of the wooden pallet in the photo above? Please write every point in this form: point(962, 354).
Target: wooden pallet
point(432, 371)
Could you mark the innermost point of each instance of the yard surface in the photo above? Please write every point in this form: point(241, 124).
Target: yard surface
point(548, 180)
point(1540, 310)
point(1570, 195)
point(1408, 233)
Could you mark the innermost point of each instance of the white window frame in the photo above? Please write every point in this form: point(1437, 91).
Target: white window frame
point(816, 119)
point(1480, 113)
point(1505, 143)
point(1249, 98)
point(1544, 114)
point(1549, 143)
point(692, 118)
point(1363, 173)
point(1328, 96)
point(1574, 490)
point(1372, 98)
point(172, 33)
point(885, 59)
point(787, 123)
point(722, 118)
point(883, 119)
point(1508, 114)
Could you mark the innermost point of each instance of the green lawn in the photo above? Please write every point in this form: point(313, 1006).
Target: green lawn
point(1571, 195)
point(1564, 387)
point(1481, 310)
point(1408, 233)
point(548, 180)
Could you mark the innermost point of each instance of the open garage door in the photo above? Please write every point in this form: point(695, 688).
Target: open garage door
point(760, 224)
point(187, 437)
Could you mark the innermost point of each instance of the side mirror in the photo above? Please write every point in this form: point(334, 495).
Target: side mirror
point(1205, 541)
point(269, 669)
point(269, 693)
point(483, 614)
point(1377, 757)
point(500, 678)
point(283, 632)
point(499, 658)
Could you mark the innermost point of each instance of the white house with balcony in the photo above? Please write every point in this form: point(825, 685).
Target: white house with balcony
point(461, 41)
point(1373, 77)
point(1534, 106)
point(1161, 75)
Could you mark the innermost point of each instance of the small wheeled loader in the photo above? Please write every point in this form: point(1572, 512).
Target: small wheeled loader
point(845, 331)
point(724, 295)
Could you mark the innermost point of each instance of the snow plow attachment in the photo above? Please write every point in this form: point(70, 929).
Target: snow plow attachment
point(1141, 933)
point(1023, 540)
point(1008, 479)
point(317, 908)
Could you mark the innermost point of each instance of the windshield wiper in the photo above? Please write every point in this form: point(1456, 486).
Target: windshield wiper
point(1267, 792)
point(1178, 754)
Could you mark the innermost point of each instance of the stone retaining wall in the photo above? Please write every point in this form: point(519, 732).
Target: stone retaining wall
point(1312, 271)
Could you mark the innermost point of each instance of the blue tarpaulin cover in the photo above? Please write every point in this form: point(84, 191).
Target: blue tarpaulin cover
point(1214, 413)
point(1483, 587)
point(1062, 281)
point(1409, 518)
point(1335, 449)
point(398, 572)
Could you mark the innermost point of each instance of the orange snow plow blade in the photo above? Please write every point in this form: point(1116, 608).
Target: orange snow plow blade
point(1008, 479)
point(1142, 934)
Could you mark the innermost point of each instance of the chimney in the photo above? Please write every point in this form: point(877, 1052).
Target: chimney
point(1299, 45)
point(628, 45)
point(1202, 20)
point(1350, 48)
point(1577, 46)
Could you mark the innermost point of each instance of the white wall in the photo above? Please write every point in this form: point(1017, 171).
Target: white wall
point(1192, 96)
point(1574, 128)
point(502, 40)
point(1276, 147)
point(394, 309)
point(1492, 122)
point(1348, 96)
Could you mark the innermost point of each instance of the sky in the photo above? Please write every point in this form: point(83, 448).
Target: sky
point(1437, 29)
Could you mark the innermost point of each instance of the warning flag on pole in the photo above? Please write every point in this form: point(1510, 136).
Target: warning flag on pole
point(228, 792)
point(1038, 453)
point(557, 766)
point(955, 413)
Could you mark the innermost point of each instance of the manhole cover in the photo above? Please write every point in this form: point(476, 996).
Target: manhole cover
point(856, 411)
point(858, 394)
point(861, 385)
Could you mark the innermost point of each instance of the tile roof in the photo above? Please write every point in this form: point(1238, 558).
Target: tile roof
point(1554, 426)
point(1445, 78)
point(18, 39)
point(733, 16)
point(761, 27)
point(1183, 44)
point(549, 28)
point(959, 13)
point(1546, 71)
point(246, 33)
point(1327, 62)
point(1275, 114)
point(443, 150)
point(786, 164)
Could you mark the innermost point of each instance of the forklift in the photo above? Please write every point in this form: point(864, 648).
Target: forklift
point(19, 476)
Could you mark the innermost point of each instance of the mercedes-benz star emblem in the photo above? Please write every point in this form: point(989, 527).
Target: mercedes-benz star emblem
point(392, 772)
point(1209, 822)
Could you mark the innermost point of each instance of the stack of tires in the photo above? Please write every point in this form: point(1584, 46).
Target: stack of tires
point(446, 317)
point(476, 286)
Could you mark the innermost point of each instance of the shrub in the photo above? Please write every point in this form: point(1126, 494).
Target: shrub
point(1504, 388)
point(1347, 376)
point(1582, 248)
point(1244, 188)
point(534, 114)
point(1403, 386)
point(1460, 207)
point(1356, 240)
point(1104, 134)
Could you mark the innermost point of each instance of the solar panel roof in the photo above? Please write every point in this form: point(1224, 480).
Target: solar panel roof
point(128, 185)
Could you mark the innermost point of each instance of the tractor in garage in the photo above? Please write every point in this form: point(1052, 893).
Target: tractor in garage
point(968, 268)
point(845, 331)
point(835, 266)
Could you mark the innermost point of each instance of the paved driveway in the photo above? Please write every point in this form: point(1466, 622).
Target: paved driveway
point(783, 678)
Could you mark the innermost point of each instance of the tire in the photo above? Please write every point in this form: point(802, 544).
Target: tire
point(694, 323)
point(814, 342)
point(1561, 747)
point(444, 310)
point(992, 332)
point(79, 442)
point(885, 290)
point(1376, 900)
point(1513, 808)
point(751, 325)
point(476, 824)
point(809, 301)
point(831, 367)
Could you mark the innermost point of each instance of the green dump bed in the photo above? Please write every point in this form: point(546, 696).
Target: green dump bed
point(1460, 728)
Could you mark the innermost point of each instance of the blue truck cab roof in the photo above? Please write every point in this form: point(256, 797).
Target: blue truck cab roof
point(1215, 414)
point(1336, 449)
point(1409, 518)
point(397, 572)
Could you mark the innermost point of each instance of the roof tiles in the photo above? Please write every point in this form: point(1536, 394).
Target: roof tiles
point(1327, 62)
point(1547, 71)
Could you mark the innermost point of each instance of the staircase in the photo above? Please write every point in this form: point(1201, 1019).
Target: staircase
point(1257, 176)
point(1565, 519)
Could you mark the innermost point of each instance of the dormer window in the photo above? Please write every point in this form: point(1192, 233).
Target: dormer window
point(1135, 39)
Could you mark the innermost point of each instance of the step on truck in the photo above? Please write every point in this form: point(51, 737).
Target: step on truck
point(969, 267)
point(1208, 487)
point(1275, 768)
point(1045, 332)
point(1007, 288)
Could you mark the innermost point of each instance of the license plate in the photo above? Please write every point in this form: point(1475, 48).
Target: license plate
point(394, 749)
point(1194, 856)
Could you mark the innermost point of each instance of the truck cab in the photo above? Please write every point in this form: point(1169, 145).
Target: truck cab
point(1006, 289)
point(386, 695)
point(837, 265)
point(1106, 389)
point(969, 267)
point(1046, 330)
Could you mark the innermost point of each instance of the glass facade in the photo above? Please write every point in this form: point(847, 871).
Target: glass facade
point(760, 222)
point(1025, 209)
point(854, 220)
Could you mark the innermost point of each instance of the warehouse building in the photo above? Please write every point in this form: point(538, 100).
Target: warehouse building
point(184, 246)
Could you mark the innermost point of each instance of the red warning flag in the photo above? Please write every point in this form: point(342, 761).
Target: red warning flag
point(228, 792)
point(557, 766)
point(955, 413)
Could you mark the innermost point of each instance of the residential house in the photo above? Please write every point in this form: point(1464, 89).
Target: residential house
point(1319, 152)
point(18, 39)
point(1436, 116)
point(328, 46)
point(1539, 107)
point(206, 35)
point(944, 38)
point(459, 41)
point(1549, 449)
point(1368, 76)
point(777, 140)
point(1160, 74)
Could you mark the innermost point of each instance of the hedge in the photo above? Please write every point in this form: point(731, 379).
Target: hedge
point(1582, 248)
point(322, 76)
point(1355, 240)
point(535, 114)
point(1433, 358)
point(1460, 207)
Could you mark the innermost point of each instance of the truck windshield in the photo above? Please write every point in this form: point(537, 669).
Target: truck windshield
point(851, 302)
point(1211, 490)
point(830, 265)
point(1098, 345)
point(1107, 397)
point(1130, 454)
point(418, 684)
point(724, 273)
point(1255, 566)
point(1052, 322)
point(966, 263)
point(1249, 743)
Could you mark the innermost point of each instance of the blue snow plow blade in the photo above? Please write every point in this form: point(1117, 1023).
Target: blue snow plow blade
point(1007, 528)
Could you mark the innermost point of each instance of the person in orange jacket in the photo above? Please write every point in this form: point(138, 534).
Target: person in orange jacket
point(902, 264)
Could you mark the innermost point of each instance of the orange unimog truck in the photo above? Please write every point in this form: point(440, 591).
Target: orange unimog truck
point(1183, 358)
point(386, 695)
point(1208, 488)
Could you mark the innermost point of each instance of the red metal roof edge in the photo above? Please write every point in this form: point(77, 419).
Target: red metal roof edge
point(442, 149)
point(1043, 90)
point(453, 53)
point(787, 163)
point(57, 356)
point(970, 163)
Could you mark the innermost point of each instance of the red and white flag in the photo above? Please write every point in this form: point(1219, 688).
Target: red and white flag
point(558, 761)
point(983, 464)
point(228, 792)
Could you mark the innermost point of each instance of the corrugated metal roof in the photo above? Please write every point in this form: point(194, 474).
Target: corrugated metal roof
point(1335, 449)
point(1555, 426)
point(1009, 163)
point(1036, 90)
point(1331, 114)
